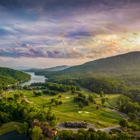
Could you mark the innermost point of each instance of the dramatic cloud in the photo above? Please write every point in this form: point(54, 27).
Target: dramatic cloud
point(68, 29)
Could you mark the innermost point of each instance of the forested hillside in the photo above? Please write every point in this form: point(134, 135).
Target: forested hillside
point(116, 65)
point(9, 76)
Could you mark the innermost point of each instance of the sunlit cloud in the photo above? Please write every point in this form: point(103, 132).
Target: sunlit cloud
point(80, 30)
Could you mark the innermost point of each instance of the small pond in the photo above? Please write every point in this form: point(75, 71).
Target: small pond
point(13, 136)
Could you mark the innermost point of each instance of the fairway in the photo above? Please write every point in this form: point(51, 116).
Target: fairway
point(113, 98)
point(69, 110)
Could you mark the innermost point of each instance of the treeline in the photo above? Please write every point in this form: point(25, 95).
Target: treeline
point(94, 83)
point(39, 92)
point(51, 92)
point(61, 87)
point(83, 101)
point(9, 77)
point(129, 102)
point(132, 80)
point(57, 87)
point(66, 80)
point(97, 84)
point(91, 134)
point(130, 125)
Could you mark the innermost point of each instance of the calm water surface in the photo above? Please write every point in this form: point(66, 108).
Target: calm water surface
point(13, 136)
point(34, 78)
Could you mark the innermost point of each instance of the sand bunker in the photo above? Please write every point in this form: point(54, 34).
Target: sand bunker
point(67, 97)
point(87, 112)
point(79, 111)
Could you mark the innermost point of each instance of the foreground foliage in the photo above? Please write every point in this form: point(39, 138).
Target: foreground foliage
point(91, 134)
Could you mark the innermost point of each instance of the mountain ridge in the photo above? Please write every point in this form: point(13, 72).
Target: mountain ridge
point(56, 68)
point(128, 63)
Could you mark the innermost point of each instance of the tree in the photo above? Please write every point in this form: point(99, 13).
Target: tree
point(23, 129)
point(101, 94)
point(16, 97)
point(133, 116)
point(60, 102)
point(73, 91)
point(103, 100)
point(49, 114)
point(91, 99)
point(4, 118)
point(35, 133)
point(31, 116)
point(25, 87)
point(56, 102)
point(97, 107)
point(80, 105)
point(125, 136)
point(37, 93)
point(124, 123)
point(66, 134)
point(59, 96)
point(13, 86)
point(1, 89)
point(80, 136)
point(86, 102)
point(21, 94)
point(134, 127)
point(53, 123)
point(91, 130)
point(52, 100)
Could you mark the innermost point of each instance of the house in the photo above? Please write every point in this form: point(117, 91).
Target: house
point(46, 129)
point(76, 124)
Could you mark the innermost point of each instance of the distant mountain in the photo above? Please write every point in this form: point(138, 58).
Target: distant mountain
point(20, 68)
point(9, 76)
point(128, 63)
point(57, 68)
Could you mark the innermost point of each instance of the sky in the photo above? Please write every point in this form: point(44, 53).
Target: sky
point(46, 33)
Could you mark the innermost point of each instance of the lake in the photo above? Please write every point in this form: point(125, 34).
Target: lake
point(34, 78)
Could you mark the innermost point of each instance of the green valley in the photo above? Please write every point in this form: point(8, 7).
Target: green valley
point(100, 94)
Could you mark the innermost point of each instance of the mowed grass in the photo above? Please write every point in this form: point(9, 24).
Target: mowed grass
point(7, 127)
point(102, 117)
point(69, 110)
point(113, 99)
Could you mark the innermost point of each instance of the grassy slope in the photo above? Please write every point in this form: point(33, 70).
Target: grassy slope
point(103, 117)
point(9, 127)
